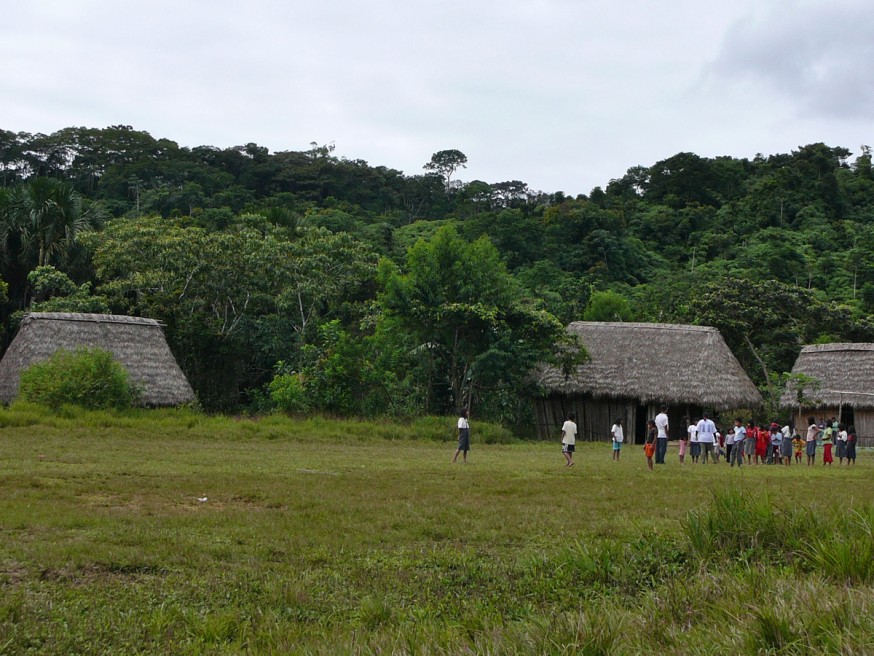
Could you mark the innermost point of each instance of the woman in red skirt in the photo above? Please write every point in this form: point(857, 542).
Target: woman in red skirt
point(827, 458)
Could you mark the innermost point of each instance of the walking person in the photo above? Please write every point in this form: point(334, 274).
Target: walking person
point(569, 439)
point(812, 434)
point(463, 436)
point(661, 422)
point(707, 437)
point(649, 446)
point(618, 438)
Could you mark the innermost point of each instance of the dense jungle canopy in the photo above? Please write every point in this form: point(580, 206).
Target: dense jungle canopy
point(311, 282)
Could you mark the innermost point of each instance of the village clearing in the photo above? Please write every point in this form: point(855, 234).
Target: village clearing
point(172, 532)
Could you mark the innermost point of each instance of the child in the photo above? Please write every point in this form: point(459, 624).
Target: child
point(694, 445)
point(650, 445)
point(618, 438)
point(851, 445)
point(798, 446)
point(569, 439)
point(750, 442)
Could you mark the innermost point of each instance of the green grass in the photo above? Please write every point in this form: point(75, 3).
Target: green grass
point(325, 536)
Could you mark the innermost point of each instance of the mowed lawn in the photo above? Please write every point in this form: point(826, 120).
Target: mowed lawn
point(175, 533)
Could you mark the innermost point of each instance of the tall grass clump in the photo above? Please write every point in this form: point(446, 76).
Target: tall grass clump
point(846, 553)
point(87, 377)
point(749, 525)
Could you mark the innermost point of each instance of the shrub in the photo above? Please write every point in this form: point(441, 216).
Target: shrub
point(87, 377)
point(287, 393)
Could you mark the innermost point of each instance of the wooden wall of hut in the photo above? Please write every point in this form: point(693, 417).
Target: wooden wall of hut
point(595, 417)
point(864, 423)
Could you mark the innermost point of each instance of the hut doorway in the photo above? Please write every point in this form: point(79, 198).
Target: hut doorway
point(847, 416)
point(640, 417)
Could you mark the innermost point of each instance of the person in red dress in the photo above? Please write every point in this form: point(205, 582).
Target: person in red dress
point(762, 439)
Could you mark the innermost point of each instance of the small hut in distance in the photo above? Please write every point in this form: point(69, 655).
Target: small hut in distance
point(633, 369)
point(843, 386)
point(137, 343)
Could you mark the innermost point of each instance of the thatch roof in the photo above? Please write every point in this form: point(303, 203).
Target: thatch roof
point(136, 343)
point(655, 363)
point(844, 375)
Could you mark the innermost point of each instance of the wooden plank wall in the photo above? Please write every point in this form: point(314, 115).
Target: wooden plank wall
point(594, 417)
point(864, 422)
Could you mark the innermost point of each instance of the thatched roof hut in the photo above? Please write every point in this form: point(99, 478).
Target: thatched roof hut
point(136, 343)
point(843, 387)
point(635, 367)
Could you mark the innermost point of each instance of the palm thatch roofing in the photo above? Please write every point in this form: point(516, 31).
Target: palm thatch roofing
point(844, 375)
point(655, 363)
point(137, 343)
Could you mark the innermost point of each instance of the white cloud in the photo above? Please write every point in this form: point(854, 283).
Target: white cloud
point(561, 94)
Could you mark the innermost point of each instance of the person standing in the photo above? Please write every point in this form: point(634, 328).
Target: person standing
point(841, 444)
point(694, 445)
point(684, 439)
point(569, 439)
point(812, 434)
point(798, 447)
point(739, 440)
point(851, 445)
point(618, 438)
point(729, 444)
point(649, 447)
point(463, 436)
point(661, 422)
point(707, 436)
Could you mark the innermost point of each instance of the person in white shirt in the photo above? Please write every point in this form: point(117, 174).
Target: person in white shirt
point(740, 434)
point(694, 445)
point(618, 437)
point(706, 436)
point(569, 439)
point(661, 422)
point(841, 444)
point(463, 435)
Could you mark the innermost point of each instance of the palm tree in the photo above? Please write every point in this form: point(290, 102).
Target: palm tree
point(48, 214)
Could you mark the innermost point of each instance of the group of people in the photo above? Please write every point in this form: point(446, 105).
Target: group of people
point(748, 443)
point(752, 443)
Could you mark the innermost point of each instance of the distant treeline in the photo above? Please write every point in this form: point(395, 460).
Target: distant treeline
point(309, 282)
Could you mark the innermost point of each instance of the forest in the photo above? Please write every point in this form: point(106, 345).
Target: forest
point(310, 283)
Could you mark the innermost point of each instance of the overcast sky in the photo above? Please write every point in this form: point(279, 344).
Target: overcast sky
point(561, 94)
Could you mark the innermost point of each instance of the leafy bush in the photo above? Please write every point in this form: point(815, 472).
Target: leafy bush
point(287, 394)
point(90, 378)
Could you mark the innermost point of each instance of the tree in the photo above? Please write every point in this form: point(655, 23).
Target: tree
point(49, 215)
point(446, 162)
point(468, 318)
point(608, 306)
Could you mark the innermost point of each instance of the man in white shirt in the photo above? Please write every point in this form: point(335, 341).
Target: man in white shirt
point(569, 438)
point(661, 422)
point(740, 435)
point(707, 436)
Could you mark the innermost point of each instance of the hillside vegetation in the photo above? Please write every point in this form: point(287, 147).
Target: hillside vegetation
point(310, 282)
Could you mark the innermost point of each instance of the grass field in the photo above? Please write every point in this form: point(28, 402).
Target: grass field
point(167, 532)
